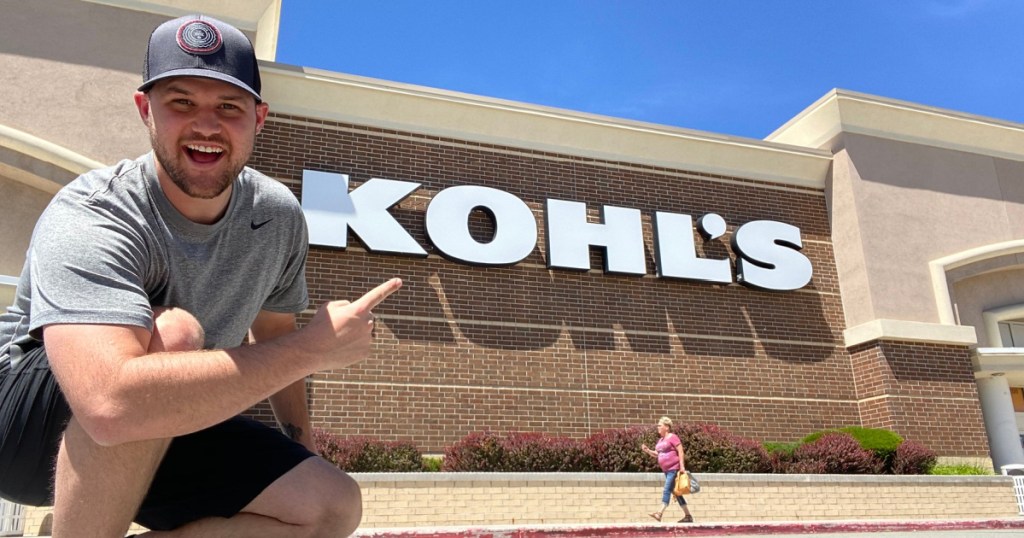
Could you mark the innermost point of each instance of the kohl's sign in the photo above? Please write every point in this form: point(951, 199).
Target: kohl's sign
point(768, 252)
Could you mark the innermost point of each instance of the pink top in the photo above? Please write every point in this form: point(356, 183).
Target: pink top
point(668, 458)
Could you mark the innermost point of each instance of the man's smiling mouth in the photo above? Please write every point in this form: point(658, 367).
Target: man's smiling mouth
point(204, 154)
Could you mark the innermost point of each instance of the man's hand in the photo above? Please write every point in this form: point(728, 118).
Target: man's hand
point(341, 332)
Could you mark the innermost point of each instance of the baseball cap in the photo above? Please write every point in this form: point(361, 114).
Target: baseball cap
point(201, 46)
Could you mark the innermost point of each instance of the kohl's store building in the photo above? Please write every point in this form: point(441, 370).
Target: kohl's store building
point(568, 273)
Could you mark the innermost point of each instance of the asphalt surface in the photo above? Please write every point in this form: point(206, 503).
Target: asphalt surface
point(965, 528)
point(981, 528)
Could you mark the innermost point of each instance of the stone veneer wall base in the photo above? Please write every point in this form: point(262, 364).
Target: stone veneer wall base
point(456, 499)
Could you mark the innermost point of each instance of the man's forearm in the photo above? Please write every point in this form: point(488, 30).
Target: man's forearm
point(120, 390)
point(170, 394)
point(292, 413)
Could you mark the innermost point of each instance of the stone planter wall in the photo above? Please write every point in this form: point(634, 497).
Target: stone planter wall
point(457, 499)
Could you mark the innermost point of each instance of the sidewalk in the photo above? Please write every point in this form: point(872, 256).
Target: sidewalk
point(694, 529)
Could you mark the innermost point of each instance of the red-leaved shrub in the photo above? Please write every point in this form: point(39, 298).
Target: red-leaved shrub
point(710, 449)
point(539, 453)
point(476, 452)
point(913, 458)
point(618, 451)
point(365, 455)
point(834, 453)
point(516, 452)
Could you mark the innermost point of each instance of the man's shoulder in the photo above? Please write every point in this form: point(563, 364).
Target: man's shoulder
point(100, 179)
point(115, 186)
point(269, 191)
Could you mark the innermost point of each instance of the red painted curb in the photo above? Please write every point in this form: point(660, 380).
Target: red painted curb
point(707, 529)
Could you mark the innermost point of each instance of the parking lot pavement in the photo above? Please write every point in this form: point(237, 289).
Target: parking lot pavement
point(1005, 527)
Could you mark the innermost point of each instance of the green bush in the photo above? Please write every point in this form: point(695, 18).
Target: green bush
point(773, 447)
point(711, 449)
point(881, 442)
point(364, 455)
point(432, 464)
point(959, 469)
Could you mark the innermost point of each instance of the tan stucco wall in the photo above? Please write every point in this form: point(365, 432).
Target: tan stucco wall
point(70, 69)
point(913, 203)
point(21, 206)
point(973, 296)
point(1010, 175)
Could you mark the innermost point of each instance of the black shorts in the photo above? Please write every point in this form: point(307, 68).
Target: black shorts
point(210, 473)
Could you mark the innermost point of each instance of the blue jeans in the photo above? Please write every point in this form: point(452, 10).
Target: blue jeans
point(670, 482)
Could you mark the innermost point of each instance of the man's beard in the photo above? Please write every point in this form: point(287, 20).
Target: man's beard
point(180, 177)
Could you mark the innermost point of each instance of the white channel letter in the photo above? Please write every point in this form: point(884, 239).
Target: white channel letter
point(768, 256)
point(570, 237)
point(515, 228)
point(676, 254)
point(331, 210)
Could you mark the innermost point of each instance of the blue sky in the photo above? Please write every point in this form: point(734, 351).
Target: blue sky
point(736, 67)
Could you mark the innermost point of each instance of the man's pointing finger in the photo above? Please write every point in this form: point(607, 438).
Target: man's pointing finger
point(377, 295)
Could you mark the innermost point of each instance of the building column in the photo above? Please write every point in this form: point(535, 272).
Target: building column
point(1000, 422)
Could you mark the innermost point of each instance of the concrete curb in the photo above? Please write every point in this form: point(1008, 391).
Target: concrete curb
point(696, 529)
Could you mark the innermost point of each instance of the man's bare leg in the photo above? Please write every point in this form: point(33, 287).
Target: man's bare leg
point(98, 489)
point(312, 500)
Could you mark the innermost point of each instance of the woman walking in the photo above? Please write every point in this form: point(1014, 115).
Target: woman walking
point(669, 451)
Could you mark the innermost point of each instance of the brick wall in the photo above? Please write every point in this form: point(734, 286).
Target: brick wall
point(924, 391)
point(463, 348)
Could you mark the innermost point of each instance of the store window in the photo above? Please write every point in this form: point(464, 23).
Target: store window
point(1017, 394)
point(1012, 333)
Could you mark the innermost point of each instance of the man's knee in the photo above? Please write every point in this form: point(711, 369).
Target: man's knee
point(342, 511)
point(316, 497)
point(175, 329)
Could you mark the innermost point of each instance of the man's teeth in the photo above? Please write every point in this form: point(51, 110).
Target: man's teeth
point(204, 149)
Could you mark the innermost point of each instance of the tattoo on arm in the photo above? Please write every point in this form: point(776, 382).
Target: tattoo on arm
point(292, 431)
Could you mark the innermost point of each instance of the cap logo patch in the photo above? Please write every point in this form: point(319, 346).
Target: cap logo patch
point(199, 37)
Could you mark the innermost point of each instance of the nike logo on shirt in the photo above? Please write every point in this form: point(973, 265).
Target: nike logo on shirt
point(260, 225)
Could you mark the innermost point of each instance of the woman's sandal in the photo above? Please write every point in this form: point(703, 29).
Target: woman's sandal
point(655, 515)
point(687, 519)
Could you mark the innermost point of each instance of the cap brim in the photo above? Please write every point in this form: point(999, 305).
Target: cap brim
point(204, 73)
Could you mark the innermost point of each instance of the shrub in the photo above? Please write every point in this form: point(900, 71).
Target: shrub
point(774, 446)
point(364, 455)
point(432, 464)
point(881, 442)
point(780, 461)
point(618, 451)
point(711, 449)
point(806, 466)
point(538, 453)
point(516, 452)
point(959, 469)
point(479, 451)
point(913, 458)
point(834, 453)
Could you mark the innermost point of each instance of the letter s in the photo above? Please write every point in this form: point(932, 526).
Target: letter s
point(768, 256)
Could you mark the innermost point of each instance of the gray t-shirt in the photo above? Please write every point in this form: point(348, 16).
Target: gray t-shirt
point(110, 245)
